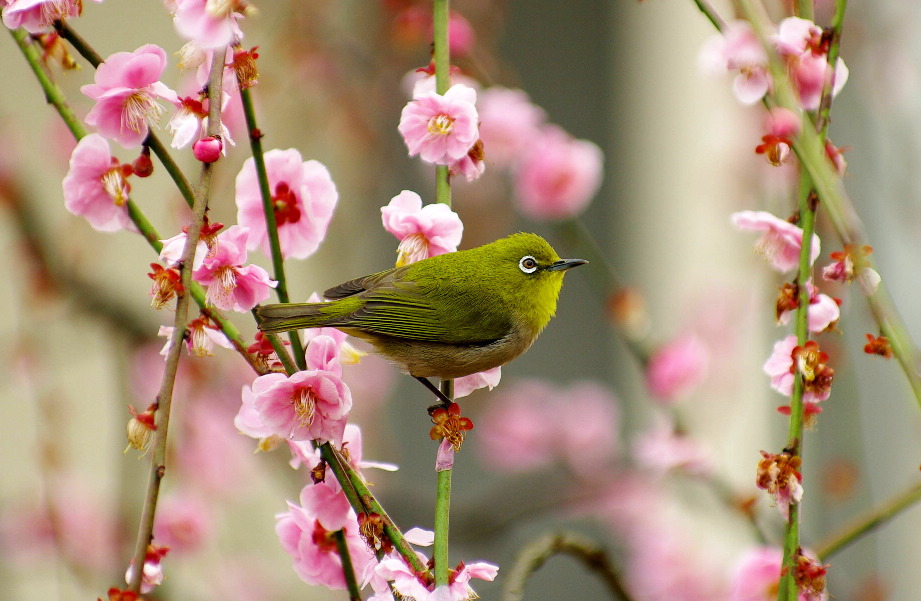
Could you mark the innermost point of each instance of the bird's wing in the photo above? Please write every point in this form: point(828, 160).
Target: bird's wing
point(367, 282)
point(408, 310)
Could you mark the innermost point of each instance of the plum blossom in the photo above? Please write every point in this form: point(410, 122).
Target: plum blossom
point(781, 242)
point(306, 532)
point(423, 231)
point(737, 48)
point(409, 585)
point(509, 122)
point(303, 199)
point(152, 572)
point(190, 122)
point(463, 386)
point(203, 336)
point(231, 284)
point(38, 16)
point(183, 522)
point(127, 90)
point(851, 264)
point(823, 310)
point(558, 176)
point(756, 576)
point(782, 126)
point(533, 424)
point(788, 358)
point(779, 475)
point(96, 186)
point(441, 129)
point(209, 24)
point(677, 368)
point(662, 449)
point(801, 43)
point(309, 405)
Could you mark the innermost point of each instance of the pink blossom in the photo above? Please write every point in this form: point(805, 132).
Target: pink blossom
point(96, 187)
point(200, 341)
point(737, 48)
point(422, 81)
point(823, 310)
point(190, 122)
point(126, 91)
point(801, 43)
point(471, 166)
point(423, 231)
point(534, 424)
point(306, 533)
point(782, 241)
point(231, 285)
point(779, 367)
point(666, 565)
point(484, 379)
point(509, 122)
point(662, 449)
point(171, 252)
point(152, 572)
point(677, 368)
point(209, 24)
point(309, 405)
point(441, 129)
point(756, 576)
point(303, 198)
point(394, 569)
point(461, 36)
point(183, 523)
point(38, 16)
point(208, 149)
point(558, 176)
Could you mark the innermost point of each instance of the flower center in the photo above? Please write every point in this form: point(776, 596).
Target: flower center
point(305, 406)
point(138, 107)
point(115, 185)
point(284, 203)
point(441, 125)
point(412, 248)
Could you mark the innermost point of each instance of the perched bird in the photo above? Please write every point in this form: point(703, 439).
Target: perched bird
point(446, 316)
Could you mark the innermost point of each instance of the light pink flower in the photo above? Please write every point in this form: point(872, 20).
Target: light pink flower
point(823, 310)
point(190, 122)
point(394, 569)
point(303, 197)
point(307, 534)
point(201, 340)
point(509, 122)
point(471, 166)
point(662, 449)
point(756, 576)
point(737, 48)
point(127, 90)
point(441, 129)
point(423, 231)
point(422, 81)
point(209, 24)
point(95, 186)
point(782, 241)
point(677, 368)
point(38, 16)
point(231, 284)
point(534, 424)
point(558, 176)
point(667, 565)
point(309, 405)
point(779, 367)
point(799, 41)
point(183, 523)
point(485, 379)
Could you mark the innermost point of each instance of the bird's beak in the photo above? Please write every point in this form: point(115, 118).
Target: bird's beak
point(564, 264)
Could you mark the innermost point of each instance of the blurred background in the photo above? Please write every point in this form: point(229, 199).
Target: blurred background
point(80, 342)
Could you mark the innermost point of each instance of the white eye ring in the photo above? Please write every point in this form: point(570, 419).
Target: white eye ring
point(527, 264)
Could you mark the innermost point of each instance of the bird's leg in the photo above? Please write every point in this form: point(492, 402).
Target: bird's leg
point(445, 401)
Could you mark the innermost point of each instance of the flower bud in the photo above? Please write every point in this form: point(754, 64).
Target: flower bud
point(143, 166)
point(208, 149)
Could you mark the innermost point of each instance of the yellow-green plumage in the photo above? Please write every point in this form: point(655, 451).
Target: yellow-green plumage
point(446, 316)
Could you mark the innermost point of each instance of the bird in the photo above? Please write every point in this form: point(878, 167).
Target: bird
point(446, 316)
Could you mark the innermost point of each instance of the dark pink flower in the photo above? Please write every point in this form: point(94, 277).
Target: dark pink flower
point(231, 284)
point(677, 368)
point(423, 231)
point(823, 310)
point(309, 405)
point(208, 149)
point(96, 187)
point(307, 534)
point(558, 176)
point(782, 241)
point(441, 129)
point(303, 197)
point(127, 90)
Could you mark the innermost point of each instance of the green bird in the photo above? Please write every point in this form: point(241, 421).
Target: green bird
point(446, 316)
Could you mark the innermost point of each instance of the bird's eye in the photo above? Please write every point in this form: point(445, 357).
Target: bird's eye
point(528, 264)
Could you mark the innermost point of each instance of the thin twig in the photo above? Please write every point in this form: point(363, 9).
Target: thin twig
point(164, 398)
point(534, 555)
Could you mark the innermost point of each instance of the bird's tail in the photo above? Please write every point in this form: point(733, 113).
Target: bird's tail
point(291, 316)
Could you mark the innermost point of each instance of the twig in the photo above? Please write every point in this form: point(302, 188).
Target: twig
point(164, 398)
point(534, 555)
